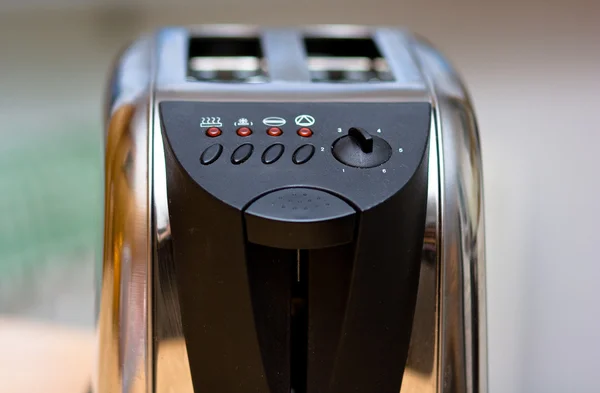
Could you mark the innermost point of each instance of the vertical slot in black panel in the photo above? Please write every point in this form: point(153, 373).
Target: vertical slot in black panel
point(270, 272)
point(329, 282)
point(299, 322)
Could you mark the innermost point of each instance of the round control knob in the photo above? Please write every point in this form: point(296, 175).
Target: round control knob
point(361, 149)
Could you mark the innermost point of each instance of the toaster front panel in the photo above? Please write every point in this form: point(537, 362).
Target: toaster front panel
point(297, 231)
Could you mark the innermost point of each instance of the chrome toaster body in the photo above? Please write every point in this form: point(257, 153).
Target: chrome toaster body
point(141, 347)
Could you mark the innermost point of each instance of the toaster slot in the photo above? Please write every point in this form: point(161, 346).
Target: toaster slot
point(226, 59)
point(299, 324)
point(272, 277)
point(346, 60)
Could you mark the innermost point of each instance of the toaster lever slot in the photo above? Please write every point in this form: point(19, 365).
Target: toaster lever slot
point(299, 325)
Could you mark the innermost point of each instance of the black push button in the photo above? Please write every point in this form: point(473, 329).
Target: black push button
point(242, 153)
point(303, 154)
point(211, 154)
point(273, 153)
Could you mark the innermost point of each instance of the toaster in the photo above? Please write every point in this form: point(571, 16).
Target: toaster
point(290, 210)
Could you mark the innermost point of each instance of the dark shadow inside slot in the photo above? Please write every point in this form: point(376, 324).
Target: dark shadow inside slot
point(341, 47)
point(225, 47)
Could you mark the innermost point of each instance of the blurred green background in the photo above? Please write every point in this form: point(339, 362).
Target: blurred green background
point(532, 69)
point(51, 220)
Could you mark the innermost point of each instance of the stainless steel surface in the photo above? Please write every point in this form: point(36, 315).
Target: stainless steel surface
point(124, 315)
point(422, 366)
point(287, 59)
point(448, 349)
point(463, 334)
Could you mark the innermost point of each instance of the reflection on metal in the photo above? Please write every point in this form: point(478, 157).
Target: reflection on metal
point(123, 315)
point(420, 375)
point(462, 299)
point(142, 348)
point(173, 375)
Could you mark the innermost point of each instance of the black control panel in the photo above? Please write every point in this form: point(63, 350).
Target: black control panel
point(238, 151)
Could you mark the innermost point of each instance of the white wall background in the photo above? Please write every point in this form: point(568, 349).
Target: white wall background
point(533, 69)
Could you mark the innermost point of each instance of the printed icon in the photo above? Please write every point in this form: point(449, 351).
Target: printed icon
point(242, 121)
point(339, 130)
point(274, 121)
point(379, 130)
point(211, 122)
point(304, 120)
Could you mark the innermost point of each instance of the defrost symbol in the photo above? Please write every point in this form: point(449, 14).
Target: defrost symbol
point(243, 122)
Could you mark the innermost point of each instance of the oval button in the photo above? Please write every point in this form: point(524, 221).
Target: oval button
point(242, 153)
point(273, 153)
point(211, 154)
point(303, 154)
